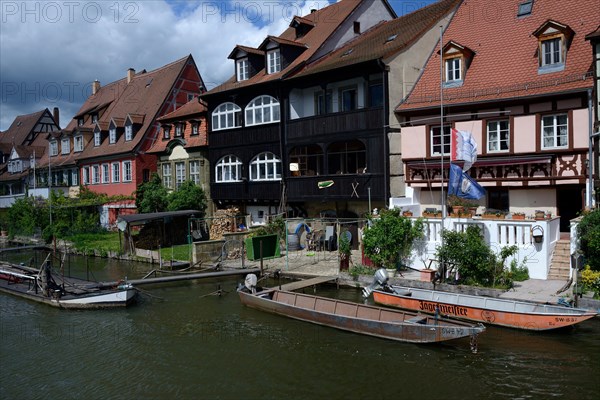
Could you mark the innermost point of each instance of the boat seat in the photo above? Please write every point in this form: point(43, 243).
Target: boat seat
point(406, 293)
point(418, 319)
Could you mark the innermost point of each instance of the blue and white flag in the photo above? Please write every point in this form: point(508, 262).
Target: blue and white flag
point(463, 147)
point(462, 185)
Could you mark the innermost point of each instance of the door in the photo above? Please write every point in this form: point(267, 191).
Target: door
point(569, 201)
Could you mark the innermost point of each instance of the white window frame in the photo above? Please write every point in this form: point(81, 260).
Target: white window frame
point(446, 134)
point(166, 131)
point(195, 171)
point(128, 132)
point(453, 69)
point(226, 116)
point(167, 175)
point(494, 136)
point(551, 133)
point(85, 171)
point(105, 173)
point(116, 172)
point(65, 146)
point(78, 143)
point(195, 129)
point(53, 148)
point(97, 140)
point(127, 171)
point(95, 174)
point(262, 110)
point(242, 68)
point(74, 177)
point(179, 129)
point(112, 135)
point(273, 61)
point(552, 47)
point(180, 174)
point(228, 169)
point(265, 167)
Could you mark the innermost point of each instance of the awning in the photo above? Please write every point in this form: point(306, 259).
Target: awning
point(141, 219)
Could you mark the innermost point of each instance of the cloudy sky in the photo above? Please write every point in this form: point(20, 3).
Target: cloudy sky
point(51, 51)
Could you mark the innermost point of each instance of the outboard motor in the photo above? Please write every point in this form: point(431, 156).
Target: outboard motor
point(380, 279)
point(249, 284)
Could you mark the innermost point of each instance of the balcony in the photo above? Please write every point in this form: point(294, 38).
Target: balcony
point(345, 187)
point(246, 191)
point(245, 136)
point(358, 120)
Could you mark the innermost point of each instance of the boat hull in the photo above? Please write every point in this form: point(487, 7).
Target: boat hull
point(502, 312)
point(358, 318)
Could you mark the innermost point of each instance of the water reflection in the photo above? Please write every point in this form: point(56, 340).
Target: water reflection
point(190, 345)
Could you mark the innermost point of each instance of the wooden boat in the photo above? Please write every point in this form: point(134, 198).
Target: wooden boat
point(44, 287)
point(503, 312)
point(359, 318)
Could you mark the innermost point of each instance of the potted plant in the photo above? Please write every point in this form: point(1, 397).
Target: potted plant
point(344, 251)
point(539, 215)
point(407, 213)
point(518, 215)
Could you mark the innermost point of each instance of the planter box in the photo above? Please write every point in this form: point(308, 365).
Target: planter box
point(270, 247)
point(427, 275)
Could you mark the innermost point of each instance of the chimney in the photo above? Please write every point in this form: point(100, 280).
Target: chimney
point(95, 86)
point(313, 10)
point(130, 74)
point(56, 116)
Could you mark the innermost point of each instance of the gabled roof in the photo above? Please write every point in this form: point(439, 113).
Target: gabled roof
point(383, 40)
point(250, 50)
point(192, 108)
point(22, 127)
point(280, 41)
point(326, 21)
point(506, 62)
point(143, 96)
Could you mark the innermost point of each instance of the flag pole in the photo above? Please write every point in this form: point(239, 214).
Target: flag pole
point(442, 266)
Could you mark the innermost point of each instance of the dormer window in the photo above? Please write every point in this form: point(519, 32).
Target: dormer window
point(78, 143)
point(554, 39)
point(195, 128)
point(273, 61)
point(97, 138)
point(166, 131)
point(112, 135)
point(94, 118)
point(128, 132)
point(457, 59)
point(65, 146)
point(79, 121)
point(53, 148)
point(453, 69)
point(179, 128)
point(242, 70)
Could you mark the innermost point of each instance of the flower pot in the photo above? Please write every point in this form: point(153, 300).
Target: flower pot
point(519, 217)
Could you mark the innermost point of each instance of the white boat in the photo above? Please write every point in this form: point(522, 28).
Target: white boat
point(44, 287)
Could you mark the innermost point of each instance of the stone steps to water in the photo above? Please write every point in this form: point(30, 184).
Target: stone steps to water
point(561, 261)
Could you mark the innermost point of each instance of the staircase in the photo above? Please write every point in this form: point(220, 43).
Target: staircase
point(561, 261)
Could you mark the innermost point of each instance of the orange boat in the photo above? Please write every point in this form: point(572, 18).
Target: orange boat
point(503, 312)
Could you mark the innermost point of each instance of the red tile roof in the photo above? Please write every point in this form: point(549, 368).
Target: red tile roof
point(326, 21)
point(505, 64)
point(192, 108)
point(378, 43)
point(143, 96)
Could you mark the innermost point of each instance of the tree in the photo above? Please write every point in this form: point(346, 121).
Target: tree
point(588, 232)
point(390, 238)
point(189, 196)
point(151, 196)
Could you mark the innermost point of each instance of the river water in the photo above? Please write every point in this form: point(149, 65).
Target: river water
point(180, 342)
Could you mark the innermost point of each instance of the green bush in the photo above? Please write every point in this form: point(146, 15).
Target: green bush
point(588, 232)
point(477, 264)
point(389, 239)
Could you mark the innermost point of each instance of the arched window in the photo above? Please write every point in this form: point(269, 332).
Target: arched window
point(226, 116)
point(347, 157)
point(228, 169)
point(262, 110)
point(265, 167)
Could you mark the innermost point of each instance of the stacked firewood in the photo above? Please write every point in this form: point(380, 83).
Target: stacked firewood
point(224, 221)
